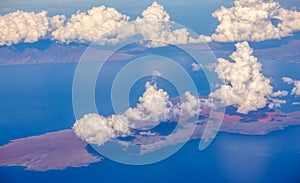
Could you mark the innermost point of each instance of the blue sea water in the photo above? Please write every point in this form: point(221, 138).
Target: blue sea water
point(36, 99)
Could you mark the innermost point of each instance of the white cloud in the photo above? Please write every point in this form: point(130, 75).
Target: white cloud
point(154, 106)
point(287, 80)
point(156, 73)
point(155, 12)
point(280, 93)
point(96, 129)
point(191, 105)
point(196, 67)
point(296, 83)
point(275, 103)
point(102, 24)
point(107, 25)
point(296, 89)
point(56, 21)
point(155, 26)
point(254, 20)
point(98, 23)
point(247, 20)
point(27, 27)
point(244, 84)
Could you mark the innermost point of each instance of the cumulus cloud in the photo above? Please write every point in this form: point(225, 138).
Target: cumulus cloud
point(96, 129)
point(244, 84)
point(191, 105)
point(155, 12)
point(27, 27)
point(98, 23)
point(155, 26)
point(154, 106)
point(296, 83)
point(102, 24)
point(254, 20)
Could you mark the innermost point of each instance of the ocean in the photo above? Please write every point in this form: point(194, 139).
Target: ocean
point(36, 99)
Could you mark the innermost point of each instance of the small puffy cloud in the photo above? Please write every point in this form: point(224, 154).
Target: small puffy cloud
point(275, 103)
point(280, 93)
point(296, 89)
point(254, 20)
point(244, 86)
point(287, 80)
point(27, 27)
point(156, 73)
point(209, 67)
point(196, 67)
point(296, 83)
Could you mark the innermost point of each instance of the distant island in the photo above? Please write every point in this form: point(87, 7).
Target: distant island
point(47, 51)
point(61, 149)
